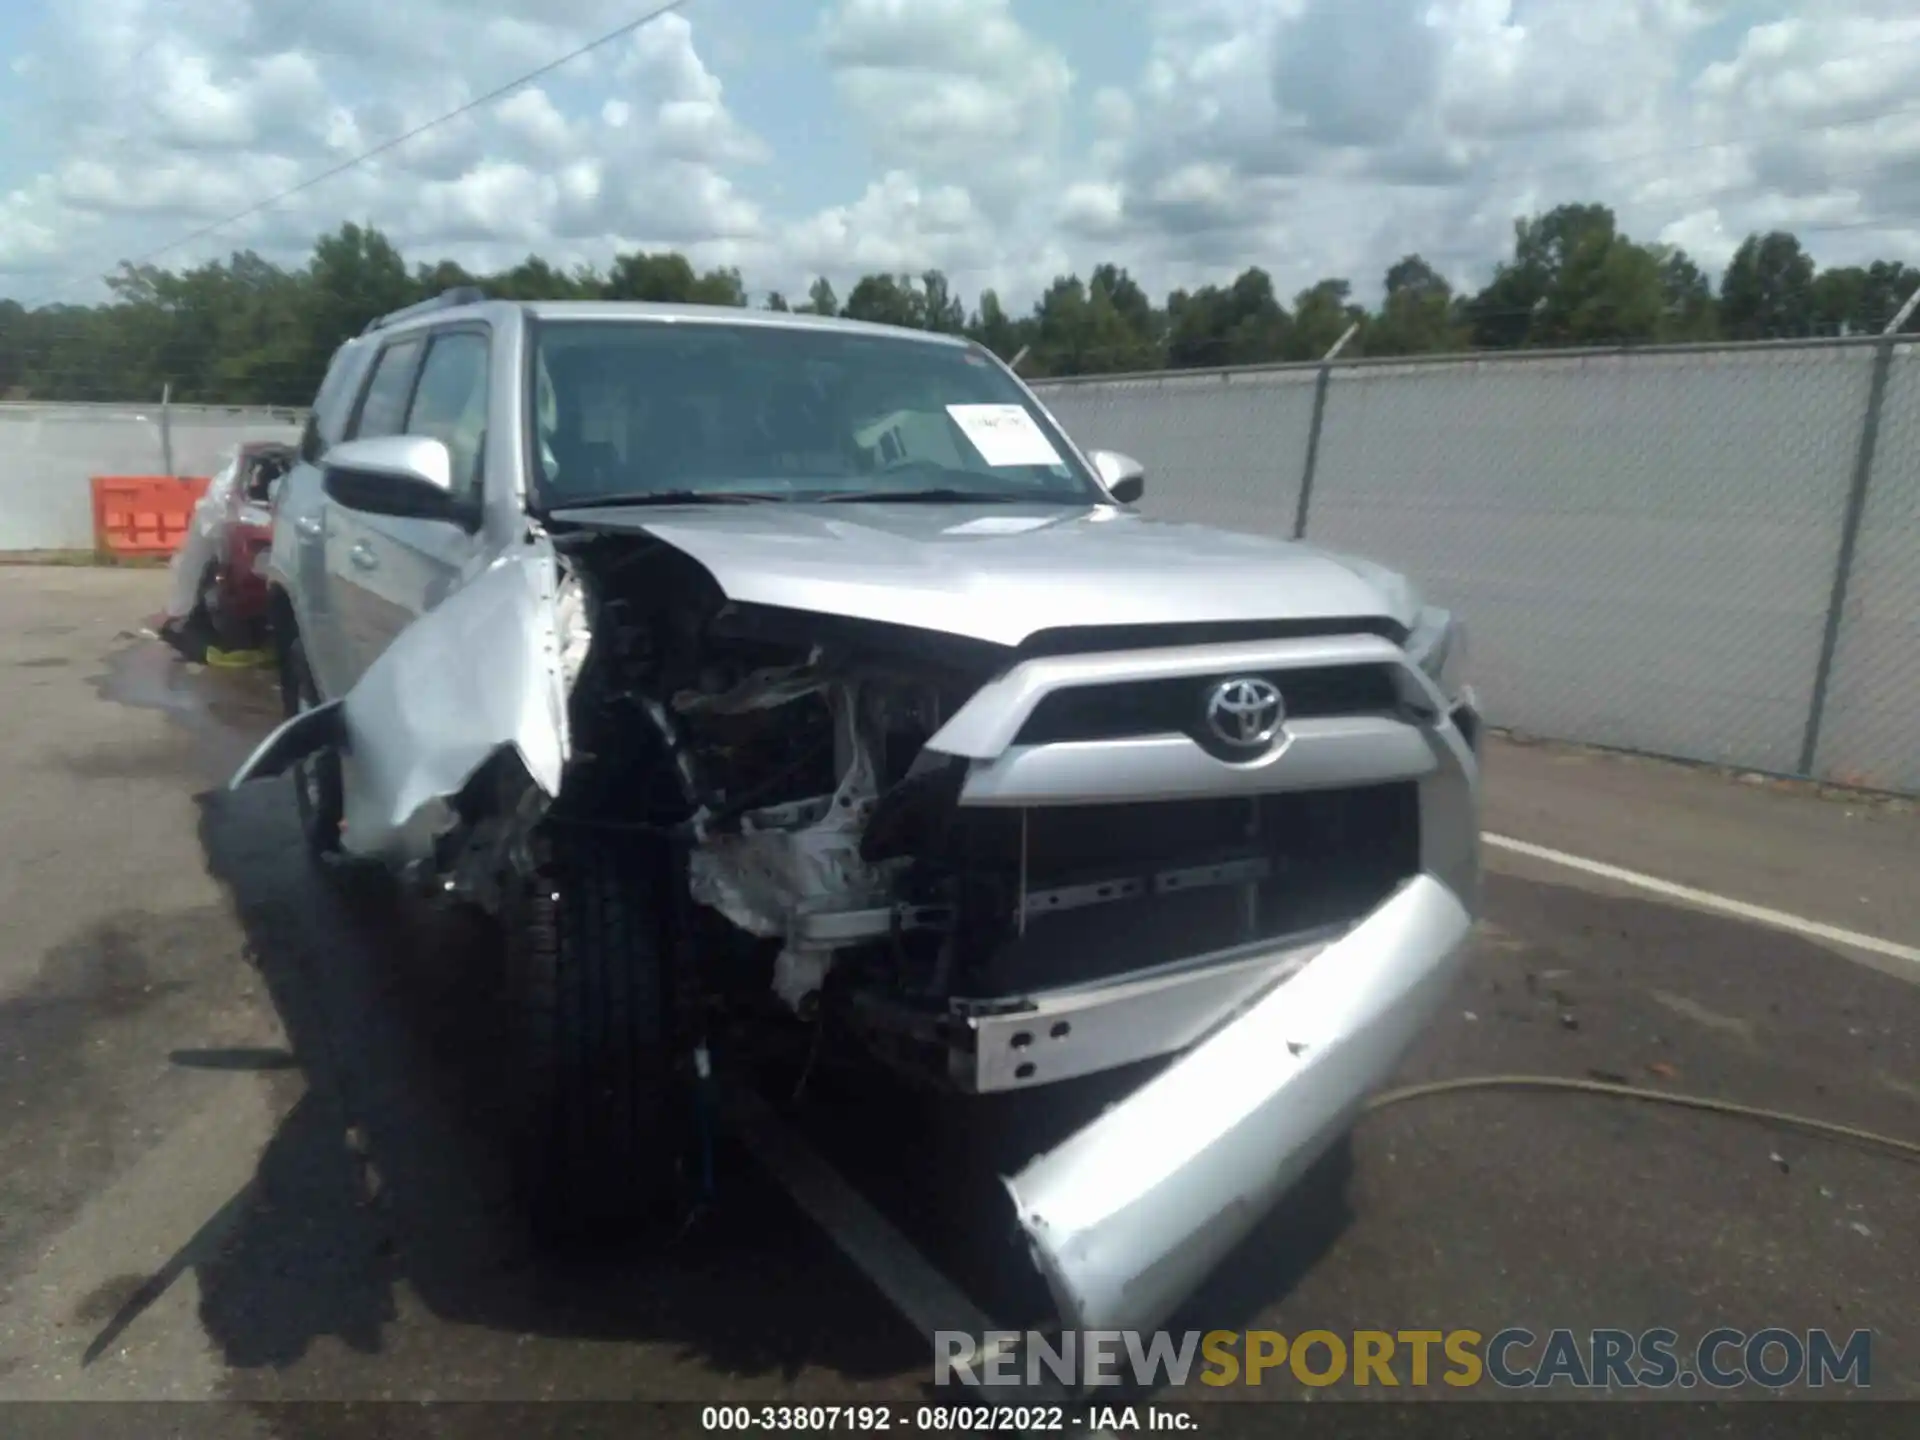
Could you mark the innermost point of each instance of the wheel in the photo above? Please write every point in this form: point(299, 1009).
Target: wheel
point(191, 634)
point(210, 612)
point(230, 631)
point(600, 1121)
point(316, 779)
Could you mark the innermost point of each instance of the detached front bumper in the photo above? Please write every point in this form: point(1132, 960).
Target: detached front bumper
point(1128, 1216)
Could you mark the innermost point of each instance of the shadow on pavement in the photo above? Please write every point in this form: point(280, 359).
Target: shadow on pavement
point(382, 1199)
point(937, 1176)
point(384, 1193)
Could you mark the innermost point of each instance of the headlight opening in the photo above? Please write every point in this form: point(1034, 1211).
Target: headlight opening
point(1438, 645)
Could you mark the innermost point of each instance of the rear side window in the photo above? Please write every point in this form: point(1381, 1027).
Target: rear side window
point(384, 409)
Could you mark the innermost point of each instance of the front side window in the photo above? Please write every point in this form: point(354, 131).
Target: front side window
point(327, 421)
point(384, 409)
point(450, 404)
point(628, 410)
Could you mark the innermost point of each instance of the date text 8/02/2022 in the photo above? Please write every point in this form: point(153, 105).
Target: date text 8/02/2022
point(1008, 1419)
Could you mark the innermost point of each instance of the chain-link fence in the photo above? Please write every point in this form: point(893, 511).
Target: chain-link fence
point(1709, 553)
point(1241, 440)
point(49, 452)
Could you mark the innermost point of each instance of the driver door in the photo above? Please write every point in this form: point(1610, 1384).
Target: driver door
point(404, 567)
point(351, 562)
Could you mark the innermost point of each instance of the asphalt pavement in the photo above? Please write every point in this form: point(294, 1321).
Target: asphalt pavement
point(248, 1138)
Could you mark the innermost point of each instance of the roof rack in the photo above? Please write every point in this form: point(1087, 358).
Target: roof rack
point(445, 300)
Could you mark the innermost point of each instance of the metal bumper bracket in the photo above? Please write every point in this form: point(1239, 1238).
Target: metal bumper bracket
point(1060, 1034)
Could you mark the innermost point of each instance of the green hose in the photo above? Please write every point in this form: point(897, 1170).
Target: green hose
point(1636, 1092)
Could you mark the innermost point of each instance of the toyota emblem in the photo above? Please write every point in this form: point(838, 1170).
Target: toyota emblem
point(1245, 713)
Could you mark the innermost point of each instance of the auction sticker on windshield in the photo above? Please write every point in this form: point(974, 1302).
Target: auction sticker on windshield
point(1004, 435)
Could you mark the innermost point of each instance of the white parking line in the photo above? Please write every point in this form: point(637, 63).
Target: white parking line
point(929, 1301)
point(1706, 900)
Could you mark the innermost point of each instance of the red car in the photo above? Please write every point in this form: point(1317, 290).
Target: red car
point(219, 594)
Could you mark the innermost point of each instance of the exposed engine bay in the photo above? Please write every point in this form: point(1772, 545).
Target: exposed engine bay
point(788, 752)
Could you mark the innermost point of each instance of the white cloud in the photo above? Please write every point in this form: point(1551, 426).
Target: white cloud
point(177, 113)
point(897, 225)
point(1094, 208)
point(531, 116)
point(661, 68)
point(28, 243)
point(1321, 137)
point(956, 90)
point(1312, 137)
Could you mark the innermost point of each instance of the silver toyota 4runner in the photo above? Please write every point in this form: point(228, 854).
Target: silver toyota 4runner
point(762, 671)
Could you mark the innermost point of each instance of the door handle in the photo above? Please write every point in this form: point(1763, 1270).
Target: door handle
point(309, 526)
point(363, 557)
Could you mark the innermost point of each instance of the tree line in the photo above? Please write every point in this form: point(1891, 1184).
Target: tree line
point(247, 331)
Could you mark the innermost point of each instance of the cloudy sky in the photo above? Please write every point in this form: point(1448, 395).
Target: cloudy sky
point(1004, 141)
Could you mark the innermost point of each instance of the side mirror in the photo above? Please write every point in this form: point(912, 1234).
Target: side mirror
point(1124, 476)
point(406, 475)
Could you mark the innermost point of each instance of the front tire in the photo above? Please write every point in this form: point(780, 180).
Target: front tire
point(599, 1123)
point(317, 786)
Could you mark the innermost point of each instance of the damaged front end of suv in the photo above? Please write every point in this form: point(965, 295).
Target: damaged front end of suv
point(934, 783)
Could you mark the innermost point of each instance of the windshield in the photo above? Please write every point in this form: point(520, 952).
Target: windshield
point(632, 410)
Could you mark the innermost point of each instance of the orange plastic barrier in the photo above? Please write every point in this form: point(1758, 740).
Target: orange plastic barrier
point(143, 514)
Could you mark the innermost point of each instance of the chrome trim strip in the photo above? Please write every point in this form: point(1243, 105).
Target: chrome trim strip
point(1317, 754)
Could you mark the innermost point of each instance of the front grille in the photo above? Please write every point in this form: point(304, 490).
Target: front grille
point(1130, 708)
point(1331, 857)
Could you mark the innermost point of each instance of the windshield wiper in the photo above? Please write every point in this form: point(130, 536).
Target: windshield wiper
point(937, 496)
point(676, 497)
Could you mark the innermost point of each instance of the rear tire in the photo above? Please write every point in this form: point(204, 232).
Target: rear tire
point(210, 611)
point(317, 787)
point(192, 634)
point(601, 1114)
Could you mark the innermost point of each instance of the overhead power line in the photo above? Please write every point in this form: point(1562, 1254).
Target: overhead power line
point(497, 93)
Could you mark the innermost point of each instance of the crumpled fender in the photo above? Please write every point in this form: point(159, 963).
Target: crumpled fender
point(478, 673)
point(291, 742)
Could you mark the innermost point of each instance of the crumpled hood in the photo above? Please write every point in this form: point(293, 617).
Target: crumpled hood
point(1001, 572)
